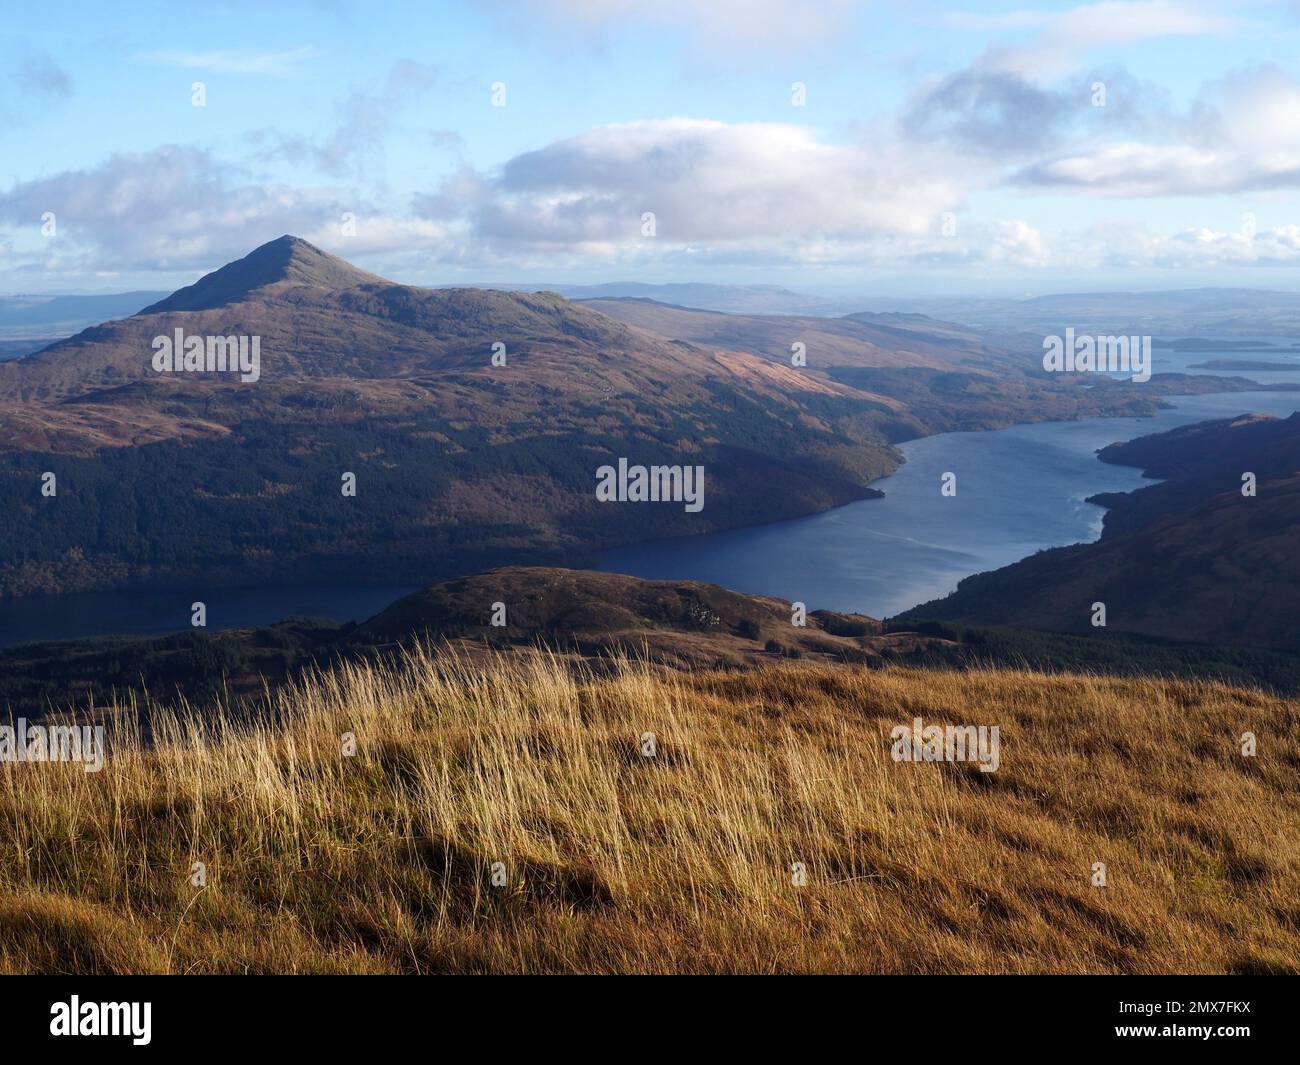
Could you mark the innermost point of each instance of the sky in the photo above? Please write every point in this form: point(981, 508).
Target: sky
point(882, 148)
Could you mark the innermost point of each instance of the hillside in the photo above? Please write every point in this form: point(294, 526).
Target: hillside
point(687, 624)
point(584, 616)
point(170, 479)
point(862, 340)
point(1191, 558)
point(460, 464)
point(936, 377)
point(521, 814)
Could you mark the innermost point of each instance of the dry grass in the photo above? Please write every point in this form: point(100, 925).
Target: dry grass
point(380, 862)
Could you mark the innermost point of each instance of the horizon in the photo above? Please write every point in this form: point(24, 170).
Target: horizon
point(902, 151)
point(541, 286)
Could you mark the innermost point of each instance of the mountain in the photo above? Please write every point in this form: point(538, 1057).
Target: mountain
point(859, 340)
point(175, 478)
point(1190, 558)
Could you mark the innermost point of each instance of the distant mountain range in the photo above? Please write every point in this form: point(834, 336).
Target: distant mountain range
point(730, 299)
point(1207, 314)
point(1186, 313)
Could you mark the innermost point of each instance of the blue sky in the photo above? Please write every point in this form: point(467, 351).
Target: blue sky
point(939, 149)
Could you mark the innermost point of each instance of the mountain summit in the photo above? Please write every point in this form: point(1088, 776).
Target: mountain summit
point(287, 260)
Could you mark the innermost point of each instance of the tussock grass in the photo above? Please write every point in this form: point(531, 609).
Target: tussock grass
point(381, 862)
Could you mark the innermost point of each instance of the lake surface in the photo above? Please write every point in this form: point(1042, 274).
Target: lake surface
point(1018, 490)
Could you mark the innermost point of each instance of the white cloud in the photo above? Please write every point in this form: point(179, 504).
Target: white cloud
point(1241, 135)
point(707, 183)
point(178, 208)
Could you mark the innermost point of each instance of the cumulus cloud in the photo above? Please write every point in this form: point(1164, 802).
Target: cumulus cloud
point(706, 183)
point(177, 208)
point(988, 112)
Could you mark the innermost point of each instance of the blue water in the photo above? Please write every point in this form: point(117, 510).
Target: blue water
point(1018, 490)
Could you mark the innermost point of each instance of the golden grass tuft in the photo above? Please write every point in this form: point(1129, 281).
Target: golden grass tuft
point(381, 862)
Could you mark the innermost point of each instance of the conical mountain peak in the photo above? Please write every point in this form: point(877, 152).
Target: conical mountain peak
point(287, 260)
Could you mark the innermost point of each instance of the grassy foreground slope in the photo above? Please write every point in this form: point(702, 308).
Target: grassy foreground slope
point(381, 862)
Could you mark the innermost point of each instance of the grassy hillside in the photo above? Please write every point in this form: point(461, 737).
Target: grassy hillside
point(615, 862)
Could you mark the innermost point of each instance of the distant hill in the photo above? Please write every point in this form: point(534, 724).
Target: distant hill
point(730, 299)
point(932, 376)
point(858, 340)
point(1184, 313)
point(680, 621)
point(1191, 558)
point(687, 624)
